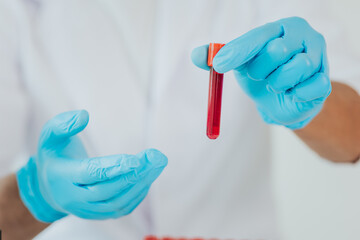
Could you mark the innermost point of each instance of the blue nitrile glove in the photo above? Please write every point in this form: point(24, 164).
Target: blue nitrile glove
point(282, 66)
point(61, 179)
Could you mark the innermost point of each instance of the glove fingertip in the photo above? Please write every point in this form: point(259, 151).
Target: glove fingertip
point(80, 122)
point(199, 57)
point(219, 69)
point(63, 125)
point(72, 123)
point(156, 158)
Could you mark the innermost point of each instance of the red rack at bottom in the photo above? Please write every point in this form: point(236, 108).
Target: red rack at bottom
point(182, 238)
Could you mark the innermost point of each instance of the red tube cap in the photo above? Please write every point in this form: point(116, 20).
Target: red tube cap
point(213, 50)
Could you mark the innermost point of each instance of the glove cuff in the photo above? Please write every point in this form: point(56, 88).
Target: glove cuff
point(294, 126)
point(305, 122)
point(301, 124)
point(30, 194)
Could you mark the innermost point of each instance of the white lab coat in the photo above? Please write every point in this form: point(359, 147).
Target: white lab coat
point(128, 63)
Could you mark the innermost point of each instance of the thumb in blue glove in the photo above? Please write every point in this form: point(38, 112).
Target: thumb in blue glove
point(282, 66)
point(61, 179)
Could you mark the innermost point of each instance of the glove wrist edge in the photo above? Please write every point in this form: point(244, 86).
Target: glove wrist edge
point(31, 197)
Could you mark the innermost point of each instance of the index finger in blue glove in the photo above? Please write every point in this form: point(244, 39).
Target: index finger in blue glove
point(242, 49)
point(116, 173)
point(153, 158)
point(155, 163)
point(98, 169)
point(107, 189)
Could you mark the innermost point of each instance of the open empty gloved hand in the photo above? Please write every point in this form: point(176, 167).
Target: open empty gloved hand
point(282, 66)
point(61, 179)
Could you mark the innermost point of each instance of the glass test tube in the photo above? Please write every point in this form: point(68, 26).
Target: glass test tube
point(215, 94)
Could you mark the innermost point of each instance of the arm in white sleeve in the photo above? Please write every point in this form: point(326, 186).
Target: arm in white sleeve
point(13, 102)
point(16, 222)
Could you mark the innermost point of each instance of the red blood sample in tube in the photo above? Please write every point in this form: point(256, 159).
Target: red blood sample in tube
point(215, 94)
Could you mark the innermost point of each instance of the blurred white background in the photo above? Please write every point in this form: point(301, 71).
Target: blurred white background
point(317, 199)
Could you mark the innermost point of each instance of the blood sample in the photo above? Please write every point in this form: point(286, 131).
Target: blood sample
point(215, 94)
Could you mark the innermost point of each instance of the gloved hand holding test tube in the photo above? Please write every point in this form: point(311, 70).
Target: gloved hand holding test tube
point(284, 72)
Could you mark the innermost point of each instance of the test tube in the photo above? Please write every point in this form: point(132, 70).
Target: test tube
point(215, 94)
